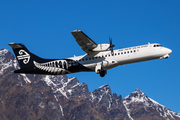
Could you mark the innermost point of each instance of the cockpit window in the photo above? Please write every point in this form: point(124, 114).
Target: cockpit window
point(157, 45)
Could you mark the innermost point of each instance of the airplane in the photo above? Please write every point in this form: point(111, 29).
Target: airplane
point(98, 58)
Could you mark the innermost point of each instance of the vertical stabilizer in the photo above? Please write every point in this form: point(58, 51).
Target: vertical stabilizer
point(24, 57)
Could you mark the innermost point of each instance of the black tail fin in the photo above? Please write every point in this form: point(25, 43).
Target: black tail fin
point(24, 57)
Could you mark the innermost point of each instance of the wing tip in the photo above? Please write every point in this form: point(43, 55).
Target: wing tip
point(76, 31)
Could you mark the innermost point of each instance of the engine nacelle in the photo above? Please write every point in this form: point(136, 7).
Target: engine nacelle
point(101, 47)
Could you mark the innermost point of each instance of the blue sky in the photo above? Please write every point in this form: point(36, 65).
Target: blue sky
point(45, 28)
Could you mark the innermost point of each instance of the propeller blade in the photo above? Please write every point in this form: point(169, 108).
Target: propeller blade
point(110, 40)
point(111, 46)
point(112, 51)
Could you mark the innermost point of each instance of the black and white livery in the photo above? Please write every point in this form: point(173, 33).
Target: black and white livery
point(98, 58)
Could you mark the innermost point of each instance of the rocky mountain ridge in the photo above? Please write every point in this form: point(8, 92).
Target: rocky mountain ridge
point(47, 97)
point(147, 105)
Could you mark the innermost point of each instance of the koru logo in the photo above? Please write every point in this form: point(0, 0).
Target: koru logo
point(23, 55)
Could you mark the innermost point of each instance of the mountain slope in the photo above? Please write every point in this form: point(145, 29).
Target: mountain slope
point(24, 96)
point(139, 105)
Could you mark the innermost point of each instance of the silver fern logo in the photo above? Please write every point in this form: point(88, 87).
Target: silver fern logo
point(23, 55)
point(58, 67)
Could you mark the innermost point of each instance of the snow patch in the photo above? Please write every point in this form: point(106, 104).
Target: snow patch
point(3, 52)
point(128, 111)
point(103, 86)
point(4, 66)
point(70, 91)
point(60, 84)
point(100, 98)
point(61, 109)
point(15, 64)
point(62, 92)
point(156, 103)
point(48, 81)
point(55, 97)
point(26, 78)
point(178, 113)
point(78, 84)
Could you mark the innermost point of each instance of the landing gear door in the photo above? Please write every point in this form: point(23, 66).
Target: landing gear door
point(98, 68)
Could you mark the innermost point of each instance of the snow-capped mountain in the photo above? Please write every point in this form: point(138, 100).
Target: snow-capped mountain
point(48, 97)
point(178, 113)
point(138, 101)
point(7, 60)
point(103, 97)
point(68, 87)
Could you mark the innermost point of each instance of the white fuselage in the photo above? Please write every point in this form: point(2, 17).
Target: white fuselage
point(123, 56)
point(97, 60)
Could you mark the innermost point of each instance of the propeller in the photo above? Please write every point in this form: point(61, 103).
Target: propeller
point(111, 46)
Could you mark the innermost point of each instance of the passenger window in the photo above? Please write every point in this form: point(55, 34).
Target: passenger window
point(131, 51)
point(56, 64)
point(64, 64)
point(128, 52)
point(89, 58)
point(121, 53)
point(60, 64)
point(134, 50)
point(118, 53)
point(124, 52)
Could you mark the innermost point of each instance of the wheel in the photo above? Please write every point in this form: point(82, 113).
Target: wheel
point(102, 73)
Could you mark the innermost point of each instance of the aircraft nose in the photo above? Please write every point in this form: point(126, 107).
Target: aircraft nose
point(169, 51)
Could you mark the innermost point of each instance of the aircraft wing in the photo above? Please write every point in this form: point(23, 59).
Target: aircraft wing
point(84, 41)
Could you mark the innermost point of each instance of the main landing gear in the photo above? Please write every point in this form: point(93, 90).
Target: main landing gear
point(102, 73)
point(99, 70)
